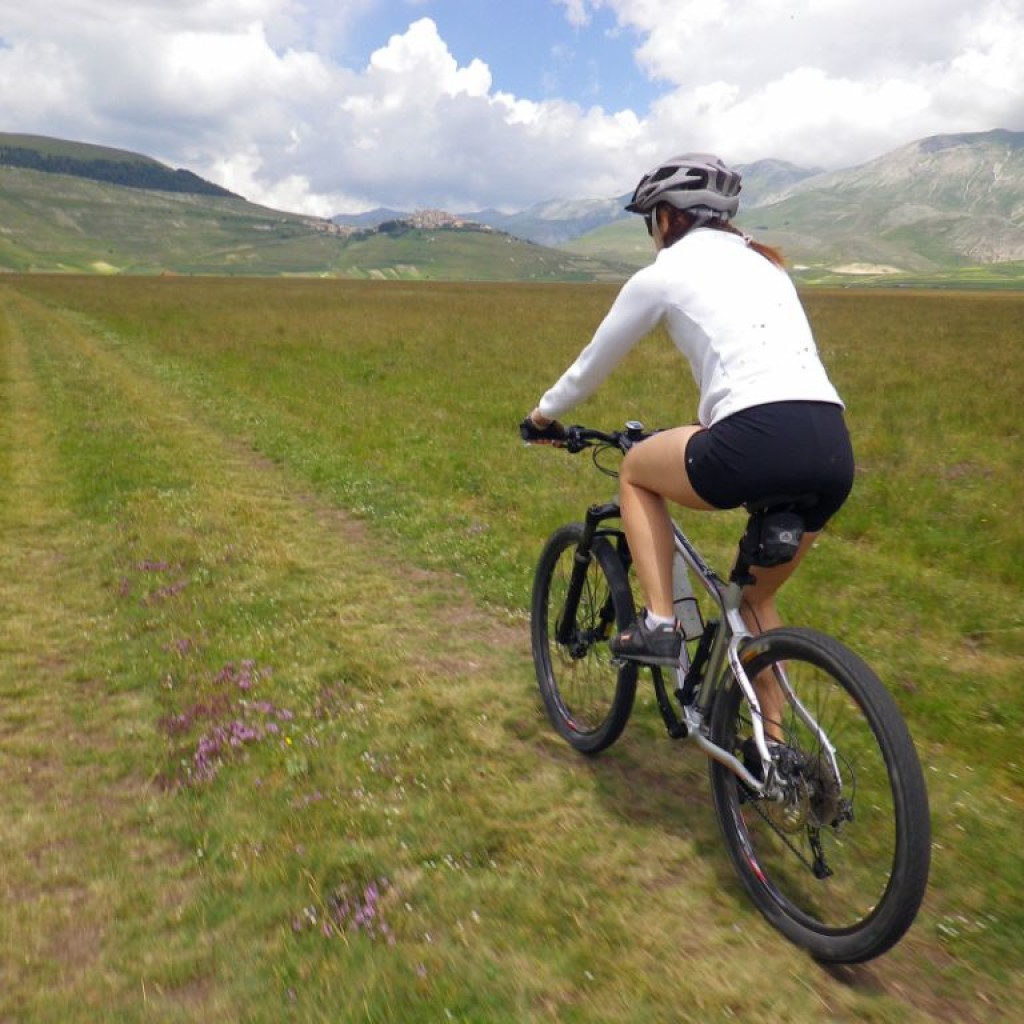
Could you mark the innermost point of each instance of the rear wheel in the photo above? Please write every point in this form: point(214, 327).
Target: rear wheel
point(588, 697)
point(840, 863)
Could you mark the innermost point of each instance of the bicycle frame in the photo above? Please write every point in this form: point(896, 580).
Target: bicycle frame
point(724, 647)
point(728, 635)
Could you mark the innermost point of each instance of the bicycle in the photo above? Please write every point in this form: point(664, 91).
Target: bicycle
point(829, 829)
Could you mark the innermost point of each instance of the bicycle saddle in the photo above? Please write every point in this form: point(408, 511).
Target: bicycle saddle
point(775, 529)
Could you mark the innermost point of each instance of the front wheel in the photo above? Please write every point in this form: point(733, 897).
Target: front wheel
point(587, 696)
point(839, 861)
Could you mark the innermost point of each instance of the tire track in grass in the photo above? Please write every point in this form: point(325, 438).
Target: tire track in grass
point(79, 836)
point(232, 530)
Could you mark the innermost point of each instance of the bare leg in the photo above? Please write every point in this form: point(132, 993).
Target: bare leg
point(651, 472)
point(761, 614)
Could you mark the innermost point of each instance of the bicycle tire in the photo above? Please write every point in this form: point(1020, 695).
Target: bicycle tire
point(871, 824)
point(588, 698)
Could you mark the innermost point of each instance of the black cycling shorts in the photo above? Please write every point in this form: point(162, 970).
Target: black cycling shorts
point(781, 448)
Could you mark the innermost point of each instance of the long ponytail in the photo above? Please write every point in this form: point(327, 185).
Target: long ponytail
point(770, 253)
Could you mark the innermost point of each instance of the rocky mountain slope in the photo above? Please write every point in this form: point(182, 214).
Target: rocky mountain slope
point(950, 200)
point(933, 207)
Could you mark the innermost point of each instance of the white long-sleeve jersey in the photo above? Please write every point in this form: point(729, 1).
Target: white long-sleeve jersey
point(734, 315)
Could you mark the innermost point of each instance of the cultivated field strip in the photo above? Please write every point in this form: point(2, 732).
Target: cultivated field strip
point(263, 767)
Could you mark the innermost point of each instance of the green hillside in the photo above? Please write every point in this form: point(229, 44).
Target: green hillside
point(59, 222)
point(944, 211)
point(622, 241)
point(151, 220)
point(52, 156)
point(465, 255)
point(84, 152)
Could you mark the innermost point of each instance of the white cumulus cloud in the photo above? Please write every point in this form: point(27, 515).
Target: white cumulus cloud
point(825, 82)
point(253, 94)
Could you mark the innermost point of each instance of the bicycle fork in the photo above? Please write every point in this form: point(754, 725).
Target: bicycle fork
point(565, 631)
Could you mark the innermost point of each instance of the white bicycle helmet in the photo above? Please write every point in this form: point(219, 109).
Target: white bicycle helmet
point(693, 181)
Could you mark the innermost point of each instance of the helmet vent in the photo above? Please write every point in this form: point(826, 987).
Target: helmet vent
point(662, 173)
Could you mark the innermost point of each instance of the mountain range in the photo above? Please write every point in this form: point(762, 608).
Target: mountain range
point(946, 208)
point(932, 207)
point(558, 221)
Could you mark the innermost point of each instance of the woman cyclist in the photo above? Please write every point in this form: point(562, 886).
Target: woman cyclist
point(770, 421)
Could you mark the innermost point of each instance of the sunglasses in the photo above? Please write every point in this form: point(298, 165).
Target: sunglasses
point(649, 221)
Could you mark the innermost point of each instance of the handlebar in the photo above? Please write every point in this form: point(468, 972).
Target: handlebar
point(578, 437)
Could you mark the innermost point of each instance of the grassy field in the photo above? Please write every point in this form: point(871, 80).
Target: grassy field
point(270, 745)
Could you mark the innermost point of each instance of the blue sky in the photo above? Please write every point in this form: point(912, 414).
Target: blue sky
point(329, 106)
point(530, 47)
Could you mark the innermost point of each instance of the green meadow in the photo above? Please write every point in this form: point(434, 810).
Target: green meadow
point(270, 744)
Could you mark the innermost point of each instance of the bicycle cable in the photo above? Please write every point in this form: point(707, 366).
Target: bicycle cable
point(598, 450)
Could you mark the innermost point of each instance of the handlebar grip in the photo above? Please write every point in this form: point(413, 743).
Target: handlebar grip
point(553, 433)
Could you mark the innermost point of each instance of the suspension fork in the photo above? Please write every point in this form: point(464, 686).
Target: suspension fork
point(596, 515)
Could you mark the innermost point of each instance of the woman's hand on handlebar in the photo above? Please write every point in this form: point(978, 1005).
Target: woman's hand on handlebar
point(538, 429)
